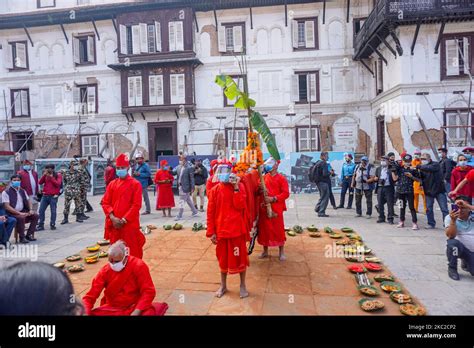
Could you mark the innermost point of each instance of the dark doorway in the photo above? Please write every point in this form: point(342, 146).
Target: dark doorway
point(380, 136)
point(162, 139)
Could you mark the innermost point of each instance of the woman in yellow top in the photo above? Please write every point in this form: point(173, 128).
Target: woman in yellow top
point(417, 186)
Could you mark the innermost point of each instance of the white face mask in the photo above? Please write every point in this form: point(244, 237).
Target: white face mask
point(424, 161)
point(119, 266)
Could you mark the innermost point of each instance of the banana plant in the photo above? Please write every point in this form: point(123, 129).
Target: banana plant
point(256, 121)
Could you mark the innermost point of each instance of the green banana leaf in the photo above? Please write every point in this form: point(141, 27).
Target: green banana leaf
point(258, 123)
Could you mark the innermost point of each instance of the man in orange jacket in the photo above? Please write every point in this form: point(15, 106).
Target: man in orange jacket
point(417, 186)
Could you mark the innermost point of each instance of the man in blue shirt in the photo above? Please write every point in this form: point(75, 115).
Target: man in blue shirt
point(460, 232)
point(346, 179)
point(142, 173)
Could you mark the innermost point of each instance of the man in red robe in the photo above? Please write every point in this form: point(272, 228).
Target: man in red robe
point(271, 231)
point(227, 227)
point(250, 180)
point(129, 289)
point(121, 204)
point(211, 182)
point(164, 183)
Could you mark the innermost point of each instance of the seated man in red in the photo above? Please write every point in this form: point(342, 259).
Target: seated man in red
point(129, 289)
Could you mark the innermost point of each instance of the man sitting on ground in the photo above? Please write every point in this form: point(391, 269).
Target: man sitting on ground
point(18, 204)
point(127, 284)
point(460, 231)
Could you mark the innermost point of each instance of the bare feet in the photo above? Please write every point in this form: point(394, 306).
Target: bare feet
point(221, 292)
point(282, 257)
point(243, 292)
point(263, 255)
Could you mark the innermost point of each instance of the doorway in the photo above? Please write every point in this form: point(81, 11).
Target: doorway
point(162, 139)
point(380, 136)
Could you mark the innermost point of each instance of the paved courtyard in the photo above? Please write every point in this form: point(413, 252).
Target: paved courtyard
point(186, 275)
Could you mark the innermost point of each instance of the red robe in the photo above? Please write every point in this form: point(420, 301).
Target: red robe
point(165, 197)
point(226, 217)
point(123, 197)
point(127, 290)
point(210, 184)
point(457, 175)
point(271, 232)
point(109, 175)
point(251, 182)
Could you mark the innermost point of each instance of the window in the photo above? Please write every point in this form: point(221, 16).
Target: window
point(378, 76)
point(22, 141)
point(20, 99)
point(457, 54)
point(140, 38)
point(357, 25)
point(177, 87)
point(45, 3)
point(90, 145)
point(176, 39)
point(239, 80)
point(51, 99)
point(305, 87)
point(155, 90)
point(458, 124)
point(83, 48)
point(231, 38)
point(135, 95)
point(85, 99)
point(236, 138)
point(16, 56)
point(305, 33)
point(303, 139)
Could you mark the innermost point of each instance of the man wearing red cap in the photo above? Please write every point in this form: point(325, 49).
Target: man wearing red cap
point(227, 226)
point(121, 204)
point(271, 231)
point(164, 183)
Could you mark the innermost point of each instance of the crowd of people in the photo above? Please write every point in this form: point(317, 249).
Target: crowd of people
point(240, 211)
point(402, 182)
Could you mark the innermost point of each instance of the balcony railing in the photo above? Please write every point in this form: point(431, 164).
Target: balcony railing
point(390, 14)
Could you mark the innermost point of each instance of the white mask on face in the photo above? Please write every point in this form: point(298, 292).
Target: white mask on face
point(119, 266)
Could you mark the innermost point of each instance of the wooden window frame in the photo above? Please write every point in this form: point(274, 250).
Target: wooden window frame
point(12, 98)
point(15, 68)
point(318, 86)
point(82, 36)
point(378, 69)
point(82, 143)
point(32, 139)
point(444, 38)
point(96, 95)
point(354, 21)
point(38, 4)
point(244, 41)
point(297, 131)
point(226, 101)
point(445, 120)
point(230, 129)
point(316, 34)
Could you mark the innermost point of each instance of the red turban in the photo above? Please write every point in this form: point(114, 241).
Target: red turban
point(122, 160)
point(163, 163)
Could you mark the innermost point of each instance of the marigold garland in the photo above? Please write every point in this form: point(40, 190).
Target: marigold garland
point(252, 155)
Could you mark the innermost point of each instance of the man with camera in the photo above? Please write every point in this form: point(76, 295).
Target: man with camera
point(385, 190)
point(51, 182)
point(460, 232)
point(363, 183)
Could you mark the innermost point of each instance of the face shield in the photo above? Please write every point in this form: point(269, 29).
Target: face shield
point(222, 173)
point(269, 164)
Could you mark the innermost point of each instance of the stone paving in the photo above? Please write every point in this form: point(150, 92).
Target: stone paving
point(416, 258)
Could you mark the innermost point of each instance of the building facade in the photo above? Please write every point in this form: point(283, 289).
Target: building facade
point(96, 78)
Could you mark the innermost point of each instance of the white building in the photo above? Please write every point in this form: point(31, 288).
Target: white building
point(100, 77)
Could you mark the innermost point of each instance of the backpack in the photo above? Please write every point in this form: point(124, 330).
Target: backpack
point(315, 172)
point(369, 167)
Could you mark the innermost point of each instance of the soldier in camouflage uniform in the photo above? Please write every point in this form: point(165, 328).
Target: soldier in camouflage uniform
point(73, 182)
point(83, 190)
